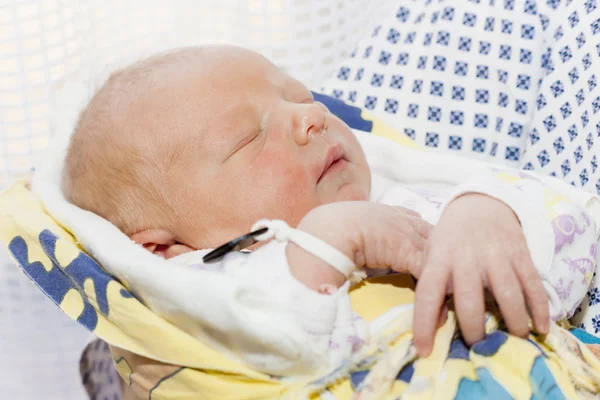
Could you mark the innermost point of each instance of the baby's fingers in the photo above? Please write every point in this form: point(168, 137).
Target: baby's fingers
point(429, 298)
point(407, 211)
point(536, 296)
point(421, 227)
point(468, 301)
point(507, 292)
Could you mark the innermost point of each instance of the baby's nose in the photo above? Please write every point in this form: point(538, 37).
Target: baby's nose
point(309, 121)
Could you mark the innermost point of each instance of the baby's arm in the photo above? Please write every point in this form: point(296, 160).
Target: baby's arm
point(560, 233)
point(312, 271)
point(270, 313)
point(373, 235)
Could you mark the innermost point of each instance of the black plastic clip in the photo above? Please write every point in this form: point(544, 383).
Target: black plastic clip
point(240, 243)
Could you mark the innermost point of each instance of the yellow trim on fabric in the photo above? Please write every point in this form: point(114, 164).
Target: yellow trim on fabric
point(508, 177)
point(187, 384)
point(551, 200)
point(382, 129)
point(343, 390)
point(397, 390)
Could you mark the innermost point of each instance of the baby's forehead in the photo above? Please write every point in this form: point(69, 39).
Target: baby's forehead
point(247, 67)
point(214, 95)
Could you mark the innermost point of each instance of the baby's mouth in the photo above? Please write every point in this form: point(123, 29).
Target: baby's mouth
point(335, 158)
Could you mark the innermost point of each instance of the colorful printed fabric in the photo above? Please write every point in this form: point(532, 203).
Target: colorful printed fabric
point(512, 82)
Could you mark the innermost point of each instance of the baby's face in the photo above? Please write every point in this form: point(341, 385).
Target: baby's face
point(260, 147)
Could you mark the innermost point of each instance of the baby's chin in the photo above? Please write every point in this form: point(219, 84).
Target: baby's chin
point(353, 192)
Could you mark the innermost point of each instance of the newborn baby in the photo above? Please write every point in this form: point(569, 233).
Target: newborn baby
point(187, 150)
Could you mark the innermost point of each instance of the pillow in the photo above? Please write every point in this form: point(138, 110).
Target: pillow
point(481, 78)
point(457, 77)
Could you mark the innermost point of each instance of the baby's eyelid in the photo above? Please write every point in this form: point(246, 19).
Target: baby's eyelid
point(252, 138)
point(244, 142)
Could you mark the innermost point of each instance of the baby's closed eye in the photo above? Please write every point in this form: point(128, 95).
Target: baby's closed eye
point(246, 140)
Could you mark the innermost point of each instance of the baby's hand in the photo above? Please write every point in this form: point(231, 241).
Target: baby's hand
point(370, 234)
point(478, 243)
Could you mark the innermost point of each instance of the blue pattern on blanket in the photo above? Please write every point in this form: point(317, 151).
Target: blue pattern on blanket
point(351, 115)
point(458, 350)
point(543, 383)
point(486, 387)
point(406, 373)
point(57, 282)
point(469, 389)
point(491, 344)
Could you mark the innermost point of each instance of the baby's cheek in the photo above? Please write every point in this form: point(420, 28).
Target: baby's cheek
point(285, 168)
point(283, 177)
point(298, 179)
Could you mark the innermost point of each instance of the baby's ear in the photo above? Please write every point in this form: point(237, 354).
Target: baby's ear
point(160, 242)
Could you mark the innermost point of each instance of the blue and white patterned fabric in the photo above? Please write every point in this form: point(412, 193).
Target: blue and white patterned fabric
point(565, 138)
point(513, 82)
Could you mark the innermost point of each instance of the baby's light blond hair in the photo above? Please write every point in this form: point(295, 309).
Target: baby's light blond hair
point(119, 164)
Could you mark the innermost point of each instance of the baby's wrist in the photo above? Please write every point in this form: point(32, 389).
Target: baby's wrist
point(334, 230)
point(311, 270)
point(475, 201)
point(321, 254)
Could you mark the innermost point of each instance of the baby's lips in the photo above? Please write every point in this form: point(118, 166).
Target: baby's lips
point(334, 154)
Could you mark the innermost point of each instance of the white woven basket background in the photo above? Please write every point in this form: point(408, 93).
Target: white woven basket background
point(44, 43)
